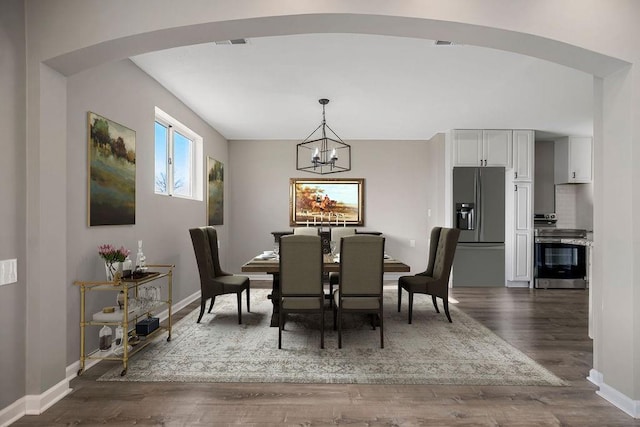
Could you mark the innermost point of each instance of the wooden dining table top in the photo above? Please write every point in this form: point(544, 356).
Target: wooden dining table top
point(258, 265)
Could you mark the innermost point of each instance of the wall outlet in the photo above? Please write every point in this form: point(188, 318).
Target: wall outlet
point(412, 243)
point(8, 271)
point(429, 213)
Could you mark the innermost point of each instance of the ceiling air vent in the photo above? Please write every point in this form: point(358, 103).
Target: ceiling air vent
point(234, 41)
point(443, 43)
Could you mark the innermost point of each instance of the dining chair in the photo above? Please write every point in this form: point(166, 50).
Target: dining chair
point(435, 280)
point(214, 281)
point(306, 231)
point(361, 273)
point(301, 279)
point(336, 234)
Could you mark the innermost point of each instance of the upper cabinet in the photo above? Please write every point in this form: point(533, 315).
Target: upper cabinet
point(573, 160)
point(482, 147)
point(523, 154)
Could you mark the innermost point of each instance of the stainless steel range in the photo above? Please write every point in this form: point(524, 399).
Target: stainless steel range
point(560, 258)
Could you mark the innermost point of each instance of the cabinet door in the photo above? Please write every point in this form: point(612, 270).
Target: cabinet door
point(497, 146)
point(523, 257)
point(523, 156)
point(523, 211)
point(580, 159)
point(467, 147)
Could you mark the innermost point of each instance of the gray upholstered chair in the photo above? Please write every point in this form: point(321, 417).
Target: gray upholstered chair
point(435, 280)
point(306, 231)
point(338, 233)
point(214, 281)
point(301, 279)
point(361, 273)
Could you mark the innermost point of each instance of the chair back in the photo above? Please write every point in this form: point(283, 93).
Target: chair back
point(300, 265)
point(306, 231)
point(445, 250)
point(338, 233)
point(361, 265)
point(433, 249)
point(205, 246)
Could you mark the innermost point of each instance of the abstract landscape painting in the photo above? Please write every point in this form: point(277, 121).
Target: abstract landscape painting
point(215, 191)
point(112, 172)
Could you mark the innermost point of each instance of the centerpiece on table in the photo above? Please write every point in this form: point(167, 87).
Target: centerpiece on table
point(113, 259)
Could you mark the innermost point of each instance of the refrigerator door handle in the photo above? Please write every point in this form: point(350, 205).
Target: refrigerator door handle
point(479, 206)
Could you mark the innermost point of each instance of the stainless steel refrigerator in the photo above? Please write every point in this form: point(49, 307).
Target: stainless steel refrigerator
point(478, 209)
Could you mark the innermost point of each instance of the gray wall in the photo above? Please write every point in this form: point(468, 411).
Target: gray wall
point(12, 207)
point(435, 184)
point(398, 190)
point(121, 92)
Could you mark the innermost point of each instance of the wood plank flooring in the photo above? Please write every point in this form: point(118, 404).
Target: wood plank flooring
point(550, 326)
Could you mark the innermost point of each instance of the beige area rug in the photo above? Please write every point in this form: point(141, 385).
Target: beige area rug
point(429, 351)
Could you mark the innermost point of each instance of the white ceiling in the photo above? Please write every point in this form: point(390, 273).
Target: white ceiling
point(380, 87)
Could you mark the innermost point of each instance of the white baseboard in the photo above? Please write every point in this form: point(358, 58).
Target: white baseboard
point(37, 404)
point(517, 284)
point(595, 377)
point(13, 412)
point(613, 396)
point(33, 404)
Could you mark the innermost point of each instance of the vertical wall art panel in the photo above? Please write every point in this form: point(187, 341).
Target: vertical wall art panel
point(215, 192)
point(112, 172)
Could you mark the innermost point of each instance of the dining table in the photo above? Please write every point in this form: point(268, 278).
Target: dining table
point(271, 265)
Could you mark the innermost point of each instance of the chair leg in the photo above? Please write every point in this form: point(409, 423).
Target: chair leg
point(248, 305)
point(339, 328)
point(322, 321)
point(280, 322)
point(399, 296)
point(410, 306)
point(335, 315)
point(435, 304)
point(213, 299)
point(239, 295)
point(203, 302)
point(445, 303)
point(381, 331)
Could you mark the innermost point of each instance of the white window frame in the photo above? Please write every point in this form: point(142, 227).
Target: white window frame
point(197, 170)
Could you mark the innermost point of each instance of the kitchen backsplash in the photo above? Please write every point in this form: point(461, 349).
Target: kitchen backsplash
point(574, 206)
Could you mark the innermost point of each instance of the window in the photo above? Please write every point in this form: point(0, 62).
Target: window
point(178, 159)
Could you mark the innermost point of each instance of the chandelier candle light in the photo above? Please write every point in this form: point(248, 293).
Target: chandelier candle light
point(328, 154)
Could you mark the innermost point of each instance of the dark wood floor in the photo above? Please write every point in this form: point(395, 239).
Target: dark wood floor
point(548, 325)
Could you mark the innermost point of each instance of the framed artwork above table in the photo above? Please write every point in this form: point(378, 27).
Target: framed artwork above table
point(328, 201)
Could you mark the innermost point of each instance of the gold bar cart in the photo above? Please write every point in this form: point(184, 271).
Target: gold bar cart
point(128, 316)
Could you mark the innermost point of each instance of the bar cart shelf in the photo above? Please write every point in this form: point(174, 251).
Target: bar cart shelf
point(128, 316)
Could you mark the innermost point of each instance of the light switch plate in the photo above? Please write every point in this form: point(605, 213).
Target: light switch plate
point(8, 271)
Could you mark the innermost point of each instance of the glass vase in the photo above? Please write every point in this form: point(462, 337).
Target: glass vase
point(113, 270)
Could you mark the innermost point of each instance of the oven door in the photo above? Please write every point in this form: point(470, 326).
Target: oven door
point(554, 260)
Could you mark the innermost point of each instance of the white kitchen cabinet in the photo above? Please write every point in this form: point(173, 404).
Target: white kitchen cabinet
point(497, 146)
point(475, 147)
point(573, 160)
point(523, 155)
point(521, 234)
point(467, 147)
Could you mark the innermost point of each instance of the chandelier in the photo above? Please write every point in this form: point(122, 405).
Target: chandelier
point(323, 154)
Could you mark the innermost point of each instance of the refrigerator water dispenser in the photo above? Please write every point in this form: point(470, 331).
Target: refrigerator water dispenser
point(465, 218)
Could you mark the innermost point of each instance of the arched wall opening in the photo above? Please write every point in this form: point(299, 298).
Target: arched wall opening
point(612, 124)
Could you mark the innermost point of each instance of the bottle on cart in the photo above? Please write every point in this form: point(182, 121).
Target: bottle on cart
point(105, 335)
point(140, 258)
point(127, 267)
point(119, 335)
